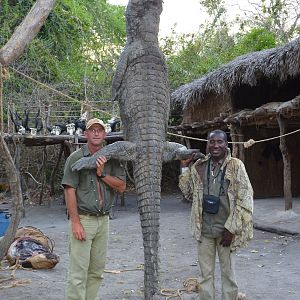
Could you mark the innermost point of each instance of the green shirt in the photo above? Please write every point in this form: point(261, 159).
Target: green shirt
point(213, 224)
point(85, 182)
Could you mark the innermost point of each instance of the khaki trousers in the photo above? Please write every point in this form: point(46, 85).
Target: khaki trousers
point(207, 257)
point(87, 259)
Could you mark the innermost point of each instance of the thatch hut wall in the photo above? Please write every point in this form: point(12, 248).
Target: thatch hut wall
point(293, 142)
point(264, 162)
point(211, 108)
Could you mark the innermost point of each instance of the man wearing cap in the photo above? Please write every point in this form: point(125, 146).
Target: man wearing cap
point(221, 216)
point(89, 194)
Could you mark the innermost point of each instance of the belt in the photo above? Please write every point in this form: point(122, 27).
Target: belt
point(92, 214)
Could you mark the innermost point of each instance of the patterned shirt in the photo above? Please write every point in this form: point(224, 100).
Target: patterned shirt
point(240, 195)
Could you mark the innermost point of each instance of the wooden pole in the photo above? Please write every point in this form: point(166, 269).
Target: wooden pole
point(1, 97)
point(8, 118)
point(183, 140)
point(236, 134)
point(235, 147)
point(67, 149)
point(188, 143)
point(85, 107)
point(287, 174)
point(240, 146)
point(44, 164)
point(54, 171)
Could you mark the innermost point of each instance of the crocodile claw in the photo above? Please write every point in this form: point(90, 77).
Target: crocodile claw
point(183, 153)
point(84, 162)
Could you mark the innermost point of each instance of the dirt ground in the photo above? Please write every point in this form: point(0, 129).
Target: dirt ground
point(268, 269)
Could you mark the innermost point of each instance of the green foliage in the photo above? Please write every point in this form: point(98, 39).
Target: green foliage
point(279, 17)
point(197, 55)
point(200, 54)
point(255, 40)
point(79, 44)
point(191, 56)
point(213, 7)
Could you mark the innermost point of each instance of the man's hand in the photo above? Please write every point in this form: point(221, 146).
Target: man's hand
point(78, 231)
point(227, 238)
point(187, 162)
point(100, 163)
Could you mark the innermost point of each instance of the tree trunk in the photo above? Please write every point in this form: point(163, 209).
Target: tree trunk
point(16, 194)
point(26, 31)
point(17, 163)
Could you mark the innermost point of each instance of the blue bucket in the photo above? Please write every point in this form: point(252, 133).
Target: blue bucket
point(4, 222)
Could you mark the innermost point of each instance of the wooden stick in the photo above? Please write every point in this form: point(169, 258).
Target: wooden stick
point(1, 97)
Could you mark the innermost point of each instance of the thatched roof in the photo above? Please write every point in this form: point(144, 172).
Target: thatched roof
point(274, 66)
point(266, 113)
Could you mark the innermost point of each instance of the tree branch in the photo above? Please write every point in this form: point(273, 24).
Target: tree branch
point(26, 31)
point(22, 36)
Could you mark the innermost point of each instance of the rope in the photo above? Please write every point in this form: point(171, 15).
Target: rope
point(170, 293)
point(124, 270)
point(247, 144)
point(190, 285)
point(276, 137)
point(45, 85)
point(56, 91)
point(187, 137)
point(29, 174)
point(15, 283)
point(12, 278)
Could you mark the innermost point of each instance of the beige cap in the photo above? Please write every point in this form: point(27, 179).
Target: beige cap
point(94, 121)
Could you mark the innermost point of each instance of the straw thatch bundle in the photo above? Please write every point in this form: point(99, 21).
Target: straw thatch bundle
point(272, 65)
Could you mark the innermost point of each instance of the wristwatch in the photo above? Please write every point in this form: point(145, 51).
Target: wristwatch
point(101, 176)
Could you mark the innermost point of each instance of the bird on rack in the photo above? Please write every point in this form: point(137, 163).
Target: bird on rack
point(70, 128)
point(58, 129)
point(20, 124)
point(38, 123)
point(25, 120)
point(80, 124)
point(114, 124)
